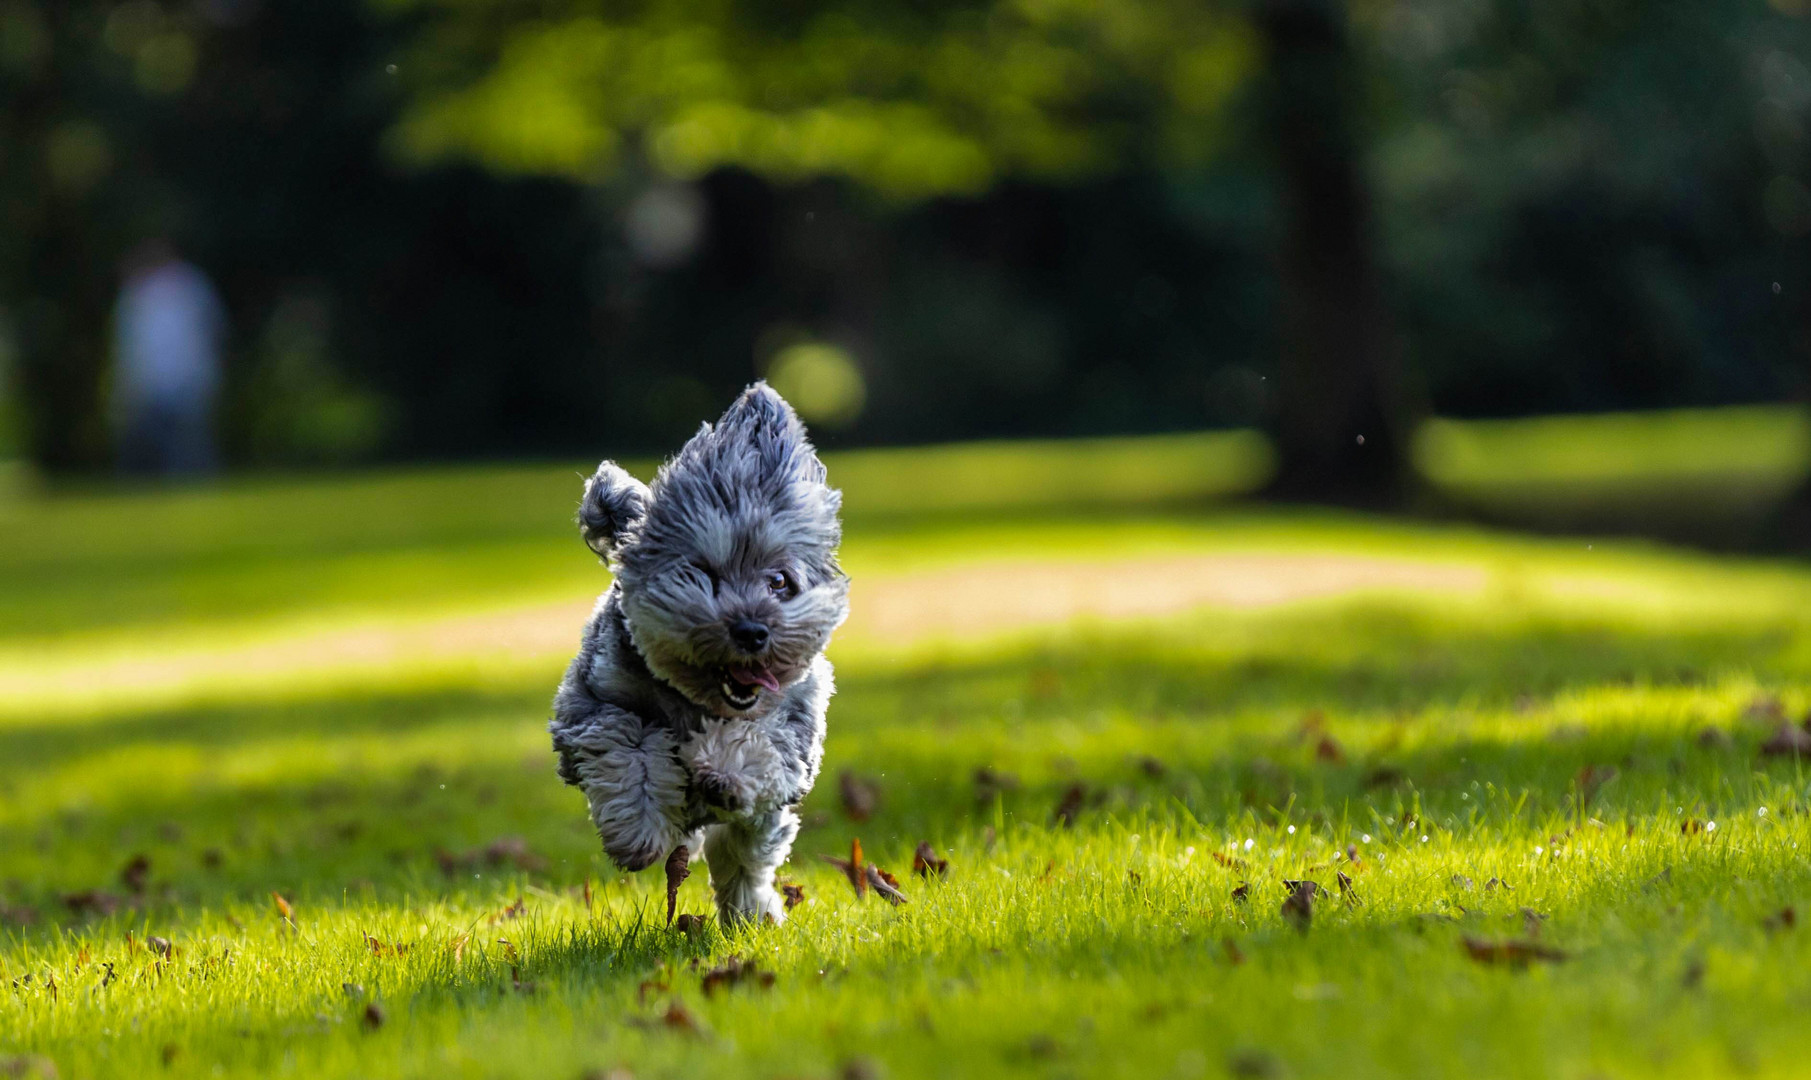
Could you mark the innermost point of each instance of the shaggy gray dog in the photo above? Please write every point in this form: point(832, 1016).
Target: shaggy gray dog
point(696, 702)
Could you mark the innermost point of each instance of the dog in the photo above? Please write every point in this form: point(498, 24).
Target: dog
point(694, 710)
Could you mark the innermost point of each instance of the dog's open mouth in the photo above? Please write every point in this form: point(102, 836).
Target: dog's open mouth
point(742, 685)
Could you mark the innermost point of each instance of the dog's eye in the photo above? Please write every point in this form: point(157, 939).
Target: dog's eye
point(780, 583)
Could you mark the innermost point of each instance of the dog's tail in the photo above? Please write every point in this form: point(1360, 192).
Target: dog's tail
point(613, 506)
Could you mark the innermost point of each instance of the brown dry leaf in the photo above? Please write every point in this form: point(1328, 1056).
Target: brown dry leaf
point(1460, 881)
point(503, 851)
point(1152, 768)
point(1513, 951)
point(1234, 955)
point(457, 946)
point(1242, 893)
point(794, 894)
point(383, 948)
point(658, 983)
point(851, 868)
point(1384, 776)
point(678, 1019)
point(925, 861)
point(284, 909)
point(689, 925)
point(678, 869)
point(1353, 857)
point(516, 983)
point(1298, 906)
point(159, 945)
point(1531, 922)
point(886, 885)
point(588, 894)
point(374, 1016)
point(1071, 805)
point(1346, 890)
point(1765, 707)
point(990, 784)
point(732, 972)
point(1497, 883)
point(859, 794)
point(1590, 780)
point(1228, 861)
point(91, 902)
point(1784, 919)
point(1715, 738)
point(135, 873)
point(1327, 749)
point(1789, 740)
point(513, 911)
point(1691, 827)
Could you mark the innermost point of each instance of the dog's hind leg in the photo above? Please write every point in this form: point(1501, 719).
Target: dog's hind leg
point(743, 855)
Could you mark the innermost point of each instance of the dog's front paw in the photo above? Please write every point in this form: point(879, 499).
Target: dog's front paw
point(722, 792)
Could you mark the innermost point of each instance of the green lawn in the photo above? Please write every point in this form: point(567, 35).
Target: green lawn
point(1528, 764)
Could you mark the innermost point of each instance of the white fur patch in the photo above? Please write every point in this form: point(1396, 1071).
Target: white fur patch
point(739, 755)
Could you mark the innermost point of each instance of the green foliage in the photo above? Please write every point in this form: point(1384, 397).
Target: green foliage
point(911, 102)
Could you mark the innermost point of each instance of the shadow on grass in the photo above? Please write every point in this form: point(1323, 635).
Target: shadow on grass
point(1199, 727)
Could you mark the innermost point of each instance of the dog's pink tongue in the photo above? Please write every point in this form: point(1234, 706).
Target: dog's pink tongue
point(753, 676)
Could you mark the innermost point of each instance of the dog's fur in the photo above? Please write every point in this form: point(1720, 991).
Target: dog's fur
point(653, 720)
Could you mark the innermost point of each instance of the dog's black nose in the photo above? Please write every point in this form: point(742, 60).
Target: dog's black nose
point(749, 634)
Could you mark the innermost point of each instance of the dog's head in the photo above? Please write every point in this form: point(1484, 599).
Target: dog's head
point(727, 563)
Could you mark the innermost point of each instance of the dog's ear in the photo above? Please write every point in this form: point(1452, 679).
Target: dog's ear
point(614, 504)
point(763, 419)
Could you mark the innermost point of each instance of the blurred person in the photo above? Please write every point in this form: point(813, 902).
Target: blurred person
point(168, 327)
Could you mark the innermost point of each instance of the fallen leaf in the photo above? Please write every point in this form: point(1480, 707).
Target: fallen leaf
point(1531, 922)
point(1784, 919)
point(159, 945)
point(678, 1019)
point(860, 795)
point(1715, 738)
point(1346, 889)
point(91, 902)
point(1510, 951)
point(1234, 955)
point(1242, 893)
point(925, 861)
point(374, 1015)
point(1460, 881)
point(1327, 749)
point(1765, 707)
point(678, 869)
point(1352, 855)
point(885, 884)
point(990, 784)
point(1497, 883)
point(513, 911)
point(1691, 827)
point(1383, 776)
point(1071, 805)
point(851, 868)
point(1298, 906)
point(1228, 861)
point(503, 851)
point(732, 972)
point(284, 909)
point(1134, 878)
point(1590, 780)
point(689, 925)
point(794, 894)
point(135, 873)
point(1152, 768)
point(1789, 740)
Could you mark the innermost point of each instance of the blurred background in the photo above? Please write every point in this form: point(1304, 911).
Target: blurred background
point(1542, 261)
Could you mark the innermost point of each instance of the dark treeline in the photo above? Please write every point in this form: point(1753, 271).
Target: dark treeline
point(1567, 207)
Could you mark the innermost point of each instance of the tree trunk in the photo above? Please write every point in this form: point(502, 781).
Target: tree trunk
point(1340, 430)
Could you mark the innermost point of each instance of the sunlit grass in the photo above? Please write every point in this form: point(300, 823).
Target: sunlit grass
point(1445, 741)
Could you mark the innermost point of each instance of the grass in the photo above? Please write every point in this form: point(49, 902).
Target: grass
point(1445, 742)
